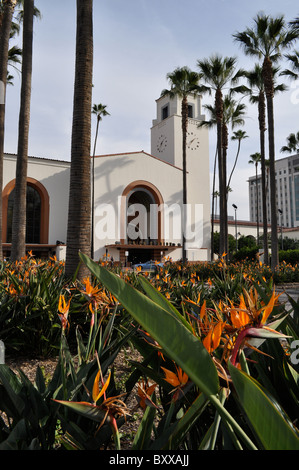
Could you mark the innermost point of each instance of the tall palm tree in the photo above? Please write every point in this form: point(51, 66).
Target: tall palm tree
point(292, 144)
point(99, 110)
point(6, 15)
point(79, 214)
point(183, 82)
point(219, 72)
point(238, 135)
point(255, 158)
point(18, 246)
point(256, 92)
point(233, 115)
point(267, 40)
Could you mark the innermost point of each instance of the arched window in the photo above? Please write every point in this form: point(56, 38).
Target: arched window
point(146, 194)
point(140, 227)
point(33, 215)
point(37, 212)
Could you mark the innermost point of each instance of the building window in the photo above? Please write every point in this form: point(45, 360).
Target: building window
point(165, 112)
point(190, 111)
point(33, 215)
point(37, 212)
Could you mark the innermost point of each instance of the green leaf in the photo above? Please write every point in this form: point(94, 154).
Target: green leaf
point(143, 435)
point(86, 409)
point(268, 421)
point(180, 430)
point(159, 299)
point(177, 341)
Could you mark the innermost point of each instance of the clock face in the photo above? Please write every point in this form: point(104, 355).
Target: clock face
point(192, 141)
point(162, 143)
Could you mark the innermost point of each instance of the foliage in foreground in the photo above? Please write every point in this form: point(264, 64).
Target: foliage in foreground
point(217, 368)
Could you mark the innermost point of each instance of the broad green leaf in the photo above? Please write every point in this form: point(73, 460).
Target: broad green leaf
point(269, 423)
point(159, 299)
point(176, 340)
point(86, 409)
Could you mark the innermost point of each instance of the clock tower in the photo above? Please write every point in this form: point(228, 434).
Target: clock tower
point(166, 144)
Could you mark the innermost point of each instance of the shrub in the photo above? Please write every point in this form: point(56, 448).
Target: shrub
point(289, 256)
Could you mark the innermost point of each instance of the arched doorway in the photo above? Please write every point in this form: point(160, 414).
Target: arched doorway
point(37, 212)
point(142, 225)
point(141, 221)
point(33, 215)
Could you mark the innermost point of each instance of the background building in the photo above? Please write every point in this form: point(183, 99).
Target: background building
point(287, 193)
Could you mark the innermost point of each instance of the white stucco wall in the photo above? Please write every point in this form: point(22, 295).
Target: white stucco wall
point(54, 176)
point(113, 173)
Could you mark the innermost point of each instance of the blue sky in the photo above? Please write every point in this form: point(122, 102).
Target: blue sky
point(136, 43)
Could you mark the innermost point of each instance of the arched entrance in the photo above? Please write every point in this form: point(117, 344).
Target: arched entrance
point(37, 212)
point(33, 215)
point(141, 222)
point(141, 213)
point(142, 226)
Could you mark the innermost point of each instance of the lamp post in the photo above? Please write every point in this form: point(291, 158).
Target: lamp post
point(235, 207)
point(281, 235)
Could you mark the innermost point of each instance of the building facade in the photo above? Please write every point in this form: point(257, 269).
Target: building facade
point(137, 196)
point(287, 193)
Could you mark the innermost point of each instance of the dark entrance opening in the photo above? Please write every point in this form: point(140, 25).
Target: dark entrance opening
point(140, 256)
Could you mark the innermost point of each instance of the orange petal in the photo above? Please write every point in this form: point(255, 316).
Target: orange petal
point(268, 308)
point(171, 377)
point(96, 393)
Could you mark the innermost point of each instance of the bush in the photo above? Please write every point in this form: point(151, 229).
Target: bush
point(289, 256)
point(244, 253)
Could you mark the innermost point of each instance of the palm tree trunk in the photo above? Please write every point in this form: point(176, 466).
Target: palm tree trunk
point(262, 126)
point(257, 206)
point(213, 204)
point(18, 247)
point(269, 90)
point(234, 165)
point(92, 190)
point(274, 237)
point(222, 188)
point(224, 156)
point(184, 150)
point(4, 46)
point(79, 216)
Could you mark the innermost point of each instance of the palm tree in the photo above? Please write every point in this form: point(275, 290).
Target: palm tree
point(99, 110)
point(219, 73)
point(267, 40)
point(256, 159)
point(6, 15)
point(18, 246)
point(79, 215)
point(256, 92)
point(292, 144)
point(238, 135)
point(233, 113)
point(183, 82)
